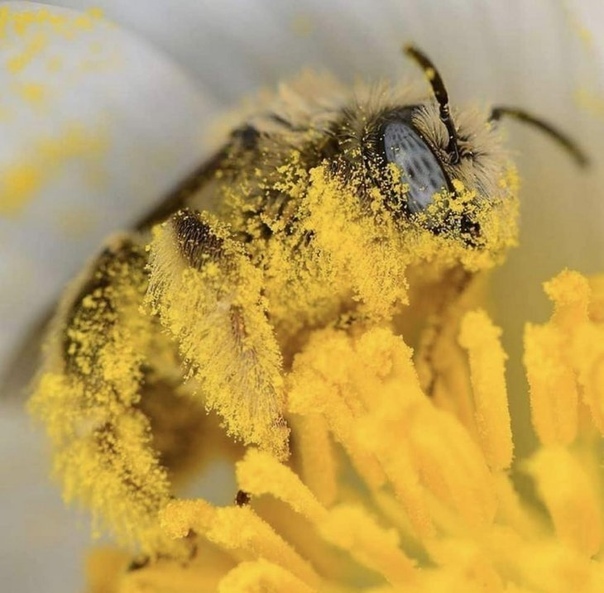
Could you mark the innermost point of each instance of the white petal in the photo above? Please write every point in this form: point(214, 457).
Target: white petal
point(95, 126)
point(43, 547)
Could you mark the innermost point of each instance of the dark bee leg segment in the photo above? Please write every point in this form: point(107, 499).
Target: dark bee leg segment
point(208, 295)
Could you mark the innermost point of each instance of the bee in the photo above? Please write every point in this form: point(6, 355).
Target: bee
point(323, 209)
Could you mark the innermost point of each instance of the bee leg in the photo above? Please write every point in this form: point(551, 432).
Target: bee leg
point(209, 296)
point(88, 394)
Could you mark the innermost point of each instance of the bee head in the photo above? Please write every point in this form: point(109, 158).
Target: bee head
point(447, 173)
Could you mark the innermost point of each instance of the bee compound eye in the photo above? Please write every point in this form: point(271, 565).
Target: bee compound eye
point(420, 169)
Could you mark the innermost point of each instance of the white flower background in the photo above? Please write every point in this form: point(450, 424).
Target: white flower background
point(139, 96)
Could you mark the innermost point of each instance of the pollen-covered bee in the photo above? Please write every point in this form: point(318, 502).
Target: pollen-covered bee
point(327, 208)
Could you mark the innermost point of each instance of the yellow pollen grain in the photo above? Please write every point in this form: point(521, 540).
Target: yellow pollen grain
point(577, 26)
point(481, 338)
point(34, 47)
point(22, 22)
point(458, 186)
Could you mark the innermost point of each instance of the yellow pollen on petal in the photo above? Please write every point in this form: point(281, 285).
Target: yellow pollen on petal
point(23, 181)
point(34, 93)
point(34, 29)
point(19, 185)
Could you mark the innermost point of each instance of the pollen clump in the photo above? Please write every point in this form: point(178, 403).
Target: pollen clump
point(209, 297)
point(363, 250)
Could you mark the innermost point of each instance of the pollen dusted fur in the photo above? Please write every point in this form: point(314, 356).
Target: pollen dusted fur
point(299, 228)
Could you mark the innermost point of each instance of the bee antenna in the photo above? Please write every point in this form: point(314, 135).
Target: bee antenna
point(561, 138)
point(441, 95)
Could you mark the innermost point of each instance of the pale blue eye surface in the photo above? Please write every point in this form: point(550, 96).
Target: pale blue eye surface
point(419, 167)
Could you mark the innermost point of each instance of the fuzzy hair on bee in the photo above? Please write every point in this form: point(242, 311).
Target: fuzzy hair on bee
point(325, 208)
